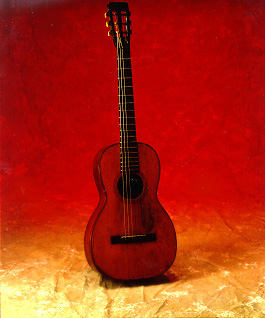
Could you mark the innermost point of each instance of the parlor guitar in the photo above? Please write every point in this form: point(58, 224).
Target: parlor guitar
point(129, 235)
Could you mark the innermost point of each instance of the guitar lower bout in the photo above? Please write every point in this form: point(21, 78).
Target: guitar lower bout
point(129, 238)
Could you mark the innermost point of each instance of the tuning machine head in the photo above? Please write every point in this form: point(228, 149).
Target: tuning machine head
point(119, 22)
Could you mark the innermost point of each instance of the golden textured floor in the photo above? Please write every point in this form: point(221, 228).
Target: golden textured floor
point(219, 270)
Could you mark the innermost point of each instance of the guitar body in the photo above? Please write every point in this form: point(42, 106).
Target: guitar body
point(129, 238)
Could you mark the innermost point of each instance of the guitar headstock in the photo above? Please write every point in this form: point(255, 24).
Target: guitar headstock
point(119, 22)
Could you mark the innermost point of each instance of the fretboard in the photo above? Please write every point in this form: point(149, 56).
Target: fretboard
point(128, 143)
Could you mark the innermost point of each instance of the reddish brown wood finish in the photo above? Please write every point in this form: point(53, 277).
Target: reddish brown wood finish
point(137, 260)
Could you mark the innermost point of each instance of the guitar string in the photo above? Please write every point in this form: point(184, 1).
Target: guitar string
point(132, 212)
point(123, 146)
point(129, 195)
point(127, 167)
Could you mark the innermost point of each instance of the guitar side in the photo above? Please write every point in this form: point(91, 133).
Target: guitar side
point(100, 206)
point(115, 216)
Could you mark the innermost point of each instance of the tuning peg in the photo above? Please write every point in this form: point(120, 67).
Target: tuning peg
point(107, 24)
point(105, 14)
point(109, 33)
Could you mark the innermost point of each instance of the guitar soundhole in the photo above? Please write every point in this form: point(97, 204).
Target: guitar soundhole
point(130, 186)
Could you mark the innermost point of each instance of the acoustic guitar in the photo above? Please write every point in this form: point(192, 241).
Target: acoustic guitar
point(129, 236)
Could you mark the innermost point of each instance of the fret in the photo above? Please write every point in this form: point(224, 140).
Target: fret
point(125, 116)
point(129, 150)
point(128, 133)
point(126, 91)
point(124, 125)
point(124, 135)
point(126, 150)
point(128, 108)
point(127, 120)
point(127, 113)
point(129, 168)
point(125, 82)
point(128, 136)
point(123, 100)
point(123, 58)
point(128, 116)
point(121, 86)
point(133, 163)
point(127, 104)
point(129, 142)
point(130, 159)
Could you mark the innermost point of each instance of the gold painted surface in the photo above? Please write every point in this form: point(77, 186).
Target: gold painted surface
point(219, 269)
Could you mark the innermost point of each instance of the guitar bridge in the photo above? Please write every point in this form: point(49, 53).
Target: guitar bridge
point(130, 239)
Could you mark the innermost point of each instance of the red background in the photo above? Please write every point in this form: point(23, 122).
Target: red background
point(198, 73)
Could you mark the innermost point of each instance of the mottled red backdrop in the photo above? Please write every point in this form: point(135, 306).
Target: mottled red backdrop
point(198, 73)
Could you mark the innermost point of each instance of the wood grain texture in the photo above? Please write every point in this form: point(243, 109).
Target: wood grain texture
point(143, 215)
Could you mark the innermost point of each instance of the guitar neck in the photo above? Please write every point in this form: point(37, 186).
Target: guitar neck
point(128, 142)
